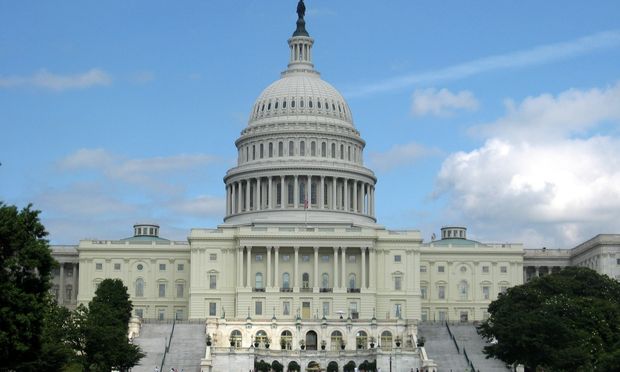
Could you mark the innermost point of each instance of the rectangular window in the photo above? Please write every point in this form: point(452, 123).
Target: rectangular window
point(485, 269)
point(180, 267)
point(618, 261)
point(423, 292)
point(178, 314)
point(442, 315)
point(212, 281)
point(180, 290)
point(305, 258)
point(441, 292)
point(212, 309)
point(162, 267)
point(162, 290)
point(258, 308)
point(503, 269)
point(397, 283)
point(441, 269)
point(486, 292)
point(325, 258)
point(259, 257)
point(140, 313)
point(286, 308)
point(161, 314)
point(286, 257)
point(325, 308)
point(117, 266)
point(352, 259)
point(424, 315)
point(213, 257)
point(398, 308)
point(422, 268)
point(98, 266)
point(397, 258)
point(69, 272)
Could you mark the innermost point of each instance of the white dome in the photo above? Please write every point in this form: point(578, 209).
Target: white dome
point(301, 93)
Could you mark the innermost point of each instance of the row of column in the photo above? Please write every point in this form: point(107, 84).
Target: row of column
point(272, 192)
point(244, 265)
point(62, 284)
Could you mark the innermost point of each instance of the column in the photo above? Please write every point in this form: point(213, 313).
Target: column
point(282, 192)
point(354, 206)
point(321, 193)
point(371, 203)
point(316, 268)
point(249, 267)
point(336, 267)
point(334, 193)
point(240, 267)
point(276, 274)
point(227, 200)
point(296, 268)
point(345, 194)
point(363, 249)
point(247, 195)
point(268, 267)
point(61, 291)
point(239, 195)
point(309, 192)
point(296, 192)
point(343, 274)
point(259, 194)
point(365, 198)
point(74, 283)
point(372, 264)
point(270, 193)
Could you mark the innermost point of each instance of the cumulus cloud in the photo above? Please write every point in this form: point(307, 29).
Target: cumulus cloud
point(401, 155)
point(544, 174)
point(442, 102)
point(57, 82)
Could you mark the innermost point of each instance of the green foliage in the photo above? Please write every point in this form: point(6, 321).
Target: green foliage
point(349, 367)
point(294, 366)
point(25, 271)
point(332, 367)
point(277, 366)
point(262, 366)
point(103, 330)
point(569, 321)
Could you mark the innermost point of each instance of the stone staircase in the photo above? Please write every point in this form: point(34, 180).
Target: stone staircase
point(152, 341)
point(469, 339)
point(187, 348)
point(440, 347)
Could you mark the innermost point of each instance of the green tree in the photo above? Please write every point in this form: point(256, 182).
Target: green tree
point(332, 367)
point(568, 321)
point(25, 273)
point(104, 330)
point(293, 366)
point(277, 366)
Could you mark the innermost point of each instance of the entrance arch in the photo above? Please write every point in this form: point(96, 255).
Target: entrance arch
point(311, 340)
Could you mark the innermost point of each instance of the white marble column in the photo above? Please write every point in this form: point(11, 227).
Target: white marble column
point(316, 269)
point(372, 264)
point(309, 192)
point(249, 267)
point(227, 200)
point(247, 195)
point(296, 268)
point(343, 276)
point(239, 196)
point(345, 194)
point(322, 193)
point(259, 195)
point(296, 192)
point(363, 250)
point(240, 282)
point(283, 191)
point(335, 267)
point(268, 267)
point(334, 193)
point(270, 193)
point(276, 274)
point(354, 206)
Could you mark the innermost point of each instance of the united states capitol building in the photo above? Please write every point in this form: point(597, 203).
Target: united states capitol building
point(300, 261)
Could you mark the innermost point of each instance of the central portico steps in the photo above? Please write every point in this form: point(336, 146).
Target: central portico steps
point(440, 347)
point(187, 347)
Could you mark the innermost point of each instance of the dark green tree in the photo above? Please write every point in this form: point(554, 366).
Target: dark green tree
point(262, 366)
point(277, 366)
point(568, 321)
point(332, 367)
point(25, 272)
point(349, 367)
point(105, 327)
point(294, 366)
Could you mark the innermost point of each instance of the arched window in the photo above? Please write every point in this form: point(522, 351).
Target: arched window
point(361, 339)
point(235, 338)
point(284, 104)
point(291, 148)
point(253, 152)
point(463, 290)
point(333, 150)
point(286, 280)
point(280, 149)
point(349, 152)
point(262, 152)
point(139, 287)
point(270, 150)
point(277, 104)
point(302, 148)
point(310, 103)
point(305, 280)
point(386, 340)
point(336, 340)
point(286, 340)
point(342, 152)
point(325, 280)
point(312, 148)
point(352, 281)
point(261, 337)
point(258, 283)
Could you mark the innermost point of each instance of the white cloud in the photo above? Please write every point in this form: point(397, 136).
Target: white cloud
point(56, 82)
point(201, 206)
point(442, 102)
point(401, 155)
point(533, 179)
point(539, 55)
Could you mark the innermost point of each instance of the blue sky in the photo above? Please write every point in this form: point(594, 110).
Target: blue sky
point(499, 115)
